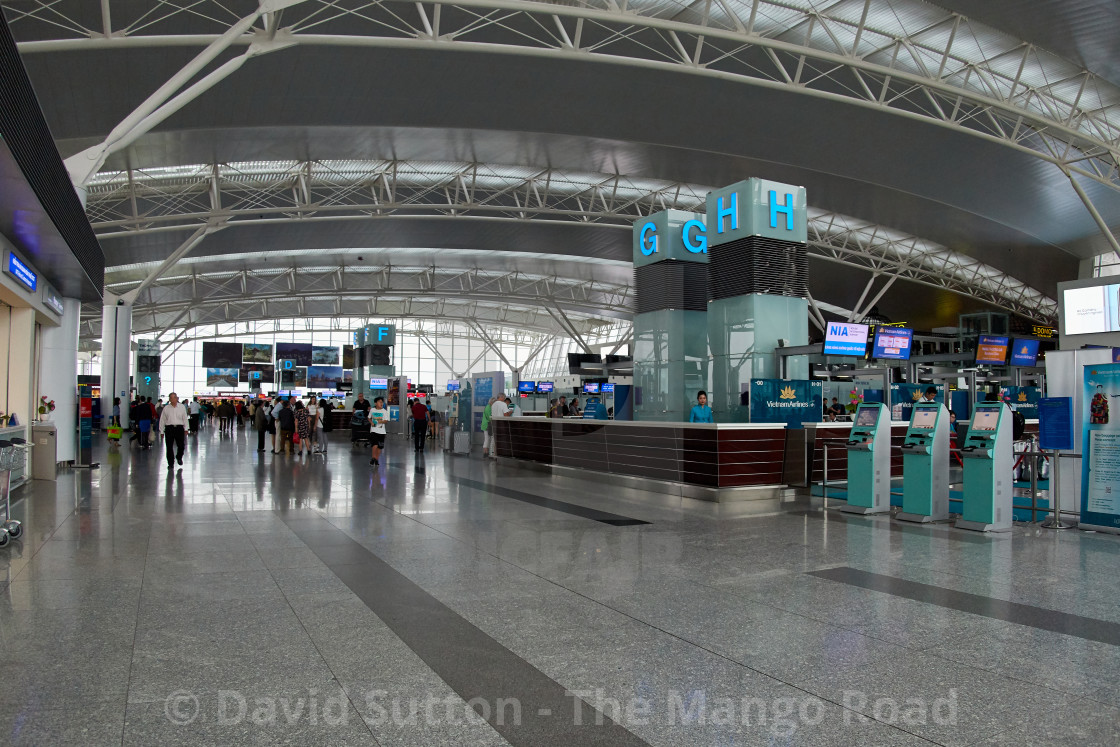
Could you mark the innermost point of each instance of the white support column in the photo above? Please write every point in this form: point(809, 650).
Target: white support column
point(116, 335)
point(58, 367)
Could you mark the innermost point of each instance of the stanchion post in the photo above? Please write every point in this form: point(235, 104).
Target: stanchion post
point(1034, 480)
point(1055, 522)
point(824, 481)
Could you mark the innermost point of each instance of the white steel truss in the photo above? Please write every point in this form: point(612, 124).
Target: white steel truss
point(123, 203)
point(904, 57)
point(492, 299)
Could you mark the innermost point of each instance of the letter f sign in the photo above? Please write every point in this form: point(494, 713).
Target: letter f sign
point(381, 333)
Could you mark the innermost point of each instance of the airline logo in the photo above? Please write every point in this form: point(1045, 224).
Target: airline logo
point(787, 393)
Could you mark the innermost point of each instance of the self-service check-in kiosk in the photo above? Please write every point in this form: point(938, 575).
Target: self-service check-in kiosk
point(988, 459)
point(925, 465)
point(869, 461)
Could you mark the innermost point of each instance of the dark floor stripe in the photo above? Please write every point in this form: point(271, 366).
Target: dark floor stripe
point(1088, 628)
point(471, 662)
point(537, 500)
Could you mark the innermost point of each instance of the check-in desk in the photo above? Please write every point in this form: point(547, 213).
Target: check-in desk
point(715, 462)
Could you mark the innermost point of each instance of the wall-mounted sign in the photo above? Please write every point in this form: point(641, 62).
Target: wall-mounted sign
point(52, 300)
point(27, 277)
point(1046, 332)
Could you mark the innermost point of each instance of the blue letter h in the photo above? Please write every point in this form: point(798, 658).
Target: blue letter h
point(775, 208)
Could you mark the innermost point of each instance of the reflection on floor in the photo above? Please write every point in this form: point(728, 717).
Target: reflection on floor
point(253, 598)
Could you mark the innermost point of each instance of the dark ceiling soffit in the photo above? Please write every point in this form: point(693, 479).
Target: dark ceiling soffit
point(25, 131)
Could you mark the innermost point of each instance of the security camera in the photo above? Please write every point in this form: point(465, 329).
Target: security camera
point(360, 258)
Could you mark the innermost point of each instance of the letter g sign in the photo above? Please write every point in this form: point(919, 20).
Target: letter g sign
point(648, 239)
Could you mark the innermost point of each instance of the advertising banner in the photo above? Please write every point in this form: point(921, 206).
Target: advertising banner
point(1100, 465)
point(85, 425)
point(1023, 399)
point(791, 402)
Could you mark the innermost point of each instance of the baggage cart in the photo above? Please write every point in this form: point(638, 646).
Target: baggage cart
point(13, 454)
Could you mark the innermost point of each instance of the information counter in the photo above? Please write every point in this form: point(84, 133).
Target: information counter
point(707, 461)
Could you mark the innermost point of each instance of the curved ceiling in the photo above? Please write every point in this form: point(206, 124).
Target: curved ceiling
point(897, 114)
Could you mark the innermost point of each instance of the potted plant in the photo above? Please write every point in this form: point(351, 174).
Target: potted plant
point(46, 407)
point(854, 400)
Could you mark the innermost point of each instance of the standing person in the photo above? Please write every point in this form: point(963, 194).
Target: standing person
point(361, 403)
point(419, 423)
point(435, 417)
point(194, 412)
point(573, 409)
point(560, 409)
point(143, 413)
point(313, 413)
point(287, 420)
point(321, 425)
point(303, 428)
point(701, 413)
point(378, 416)
point(173, 426)
point(500, 409)
point(485, 426)
point(836, 411)
point(260, 422)
point(238, 407)
point(116, 412)
point(274, 415)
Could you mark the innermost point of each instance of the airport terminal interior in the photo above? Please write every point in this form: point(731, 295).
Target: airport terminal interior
point(522, 372)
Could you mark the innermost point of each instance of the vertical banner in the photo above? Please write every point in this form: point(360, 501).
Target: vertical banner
point(790, 402)
point(1023, 399)
point(903, 397)
point(85, 424)
point(1100, 463)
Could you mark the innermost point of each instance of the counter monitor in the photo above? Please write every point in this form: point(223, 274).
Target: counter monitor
point(607, 389)
point(842, 338)
point(591, 388)
point(452, 385)
point(893, 343)
point(1024, 353)
point(991, 349)
point(544, 386)
point(527, 386)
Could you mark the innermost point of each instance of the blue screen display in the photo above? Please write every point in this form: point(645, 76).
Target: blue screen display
point(22, 272)
point(842, 338)
point(591, 388)
point(893, 343)
point(1024, 353)
point(544, 386)
point(526, 386)
point(607, 389)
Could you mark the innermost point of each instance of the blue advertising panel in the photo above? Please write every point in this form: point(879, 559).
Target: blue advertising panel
point(1100, 446)
point(1023, 399)
point(893, 343)
point(1116, 355)
point(903, 397)
point(483, 391)
point(841, 338)
point(791, 402)
point(1024, 353)
point(1055, 423)
point(21, 272)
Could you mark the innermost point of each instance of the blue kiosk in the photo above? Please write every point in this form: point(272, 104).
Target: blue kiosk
point(925, 465)
point(869, 460)
point(988, 458)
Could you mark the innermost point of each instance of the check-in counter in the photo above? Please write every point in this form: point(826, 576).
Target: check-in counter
point(700, 460)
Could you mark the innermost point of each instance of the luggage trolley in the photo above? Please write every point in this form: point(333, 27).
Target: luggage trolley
point(360, 429)
point(12, 454)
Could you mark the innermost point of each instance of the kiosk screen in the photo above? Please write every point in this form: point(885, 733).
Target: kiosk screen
point(866, 417)
point(924, 419)
point(985, 420)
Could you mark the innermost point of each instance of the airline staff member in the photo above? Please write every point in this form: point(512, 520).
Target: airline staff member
point(701, 413)
point(173, 428)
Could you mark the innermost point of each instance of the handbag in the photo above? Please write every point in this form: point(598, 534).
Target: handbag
point(295, 437)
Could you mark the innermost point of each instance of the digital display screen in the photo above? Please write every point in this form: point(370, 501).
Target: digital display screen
point(590, 388)
point(22, 272)
point(452, 385)
point(985, 420)
point(221, 355)
point(991, 349)
point(607, 389)
point(924, 418)
point(867, 417)
point(845, 339)
point(1091, 310)
point(379, 382)
point(526, 386)
point(544, 386)
point(1024, 353)
point(300, 352)
point(893, 343)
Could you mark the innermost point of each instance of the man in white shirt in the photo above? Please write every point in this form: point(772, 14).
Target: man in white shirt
point(195, 409)
point(173, 428)
point(500, 409)
point(273, 414)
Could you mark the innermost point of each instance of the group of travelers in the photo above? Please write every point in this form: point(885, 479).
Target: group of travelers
point(295, 427)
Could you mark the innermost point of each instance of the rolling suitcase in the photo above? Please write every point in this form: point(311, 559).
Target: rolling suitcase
point(462, 442)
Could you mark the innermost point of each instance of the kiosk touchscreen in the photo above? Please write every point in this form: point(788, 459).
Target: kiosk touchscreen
point(869, 461)
point(925, 465)
point(988, 459)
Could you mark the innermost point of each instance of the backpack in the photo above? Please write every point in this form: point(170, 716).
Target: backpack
point(1018, 425)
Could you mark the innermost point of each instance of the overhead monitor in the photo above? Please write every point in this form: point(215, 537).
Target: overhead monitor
point(221, 354)
point(544, 386)
point(842, 338)
point(985, 420)
point(607, 388)
point(300, 352)
point(590, 388)
point(893, 343)
point(527, 386)
point(452, 385)
point(1091, 310)
point(924, 418)
point(1024, 353)
point(866, 417)
point(991, 349)
point(379, 382)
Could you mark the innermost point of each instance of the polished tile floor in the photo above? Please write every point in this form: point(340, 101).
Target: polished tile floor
point(438, 600)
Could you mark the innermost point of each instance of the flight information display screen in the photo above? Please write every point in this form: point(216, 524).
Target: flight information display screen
point(893, 343)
